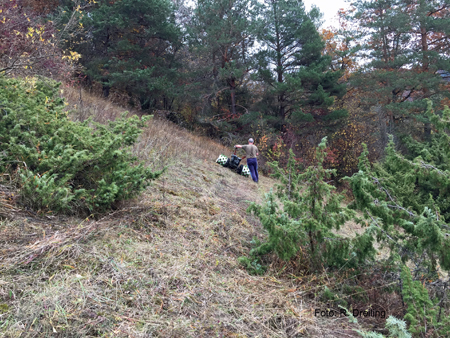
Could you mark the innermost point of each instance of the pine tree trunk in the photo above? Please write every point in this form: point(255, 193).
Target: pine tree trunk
point(105, 91)
point(282, 110)
point(381, 114)
point(311, 241)
point(233, 101)
point(105, 87)
point(281, 96)
point(233, 96)
point(423, 36)
point(215, 74)
point(383, 34)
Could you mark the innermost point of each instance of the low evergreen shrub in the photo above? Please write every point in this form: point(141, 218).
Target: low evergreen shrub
point(404, 200)
point(308, 216)
point(431, 160)
point(384, 193)
point(396, 328)
point(61, 165)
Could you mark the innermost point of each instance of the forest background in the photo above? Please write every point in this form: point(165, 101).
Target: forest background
point(235, 69)
point(231, 70)
point(366, 101)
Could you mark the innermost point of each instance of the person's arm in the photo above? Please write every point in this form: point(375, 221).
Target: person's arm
point(238, 146)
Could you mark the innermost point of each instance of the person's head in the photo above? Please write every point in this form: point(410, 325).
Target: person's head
point(250, 141)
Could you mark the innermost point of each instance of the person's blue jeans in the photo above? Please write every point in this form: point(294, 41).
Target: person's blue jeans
point(252, 164)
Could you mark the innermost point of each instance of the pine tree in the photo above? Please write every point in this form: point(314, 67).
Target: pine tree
point(405, 45)
point(405, 200)
point(222, 34)
point(132, 45)
point(310, 213)
point(291, 63)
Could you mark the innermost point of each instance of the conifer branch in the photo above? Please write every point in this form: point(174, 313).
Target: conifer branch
point(429, 166)
point(390, 197)
point(379, 227)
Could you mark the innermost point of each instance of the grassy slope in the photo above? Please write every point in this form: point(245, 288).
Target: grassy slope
point(163, 265)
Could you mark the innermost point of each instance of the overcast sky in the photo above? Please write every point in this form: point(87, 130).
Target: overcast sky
point(329, 8)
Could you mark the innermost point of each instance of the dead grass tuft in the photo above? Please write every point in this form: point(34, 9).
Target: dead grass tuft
point(83, 104)
point(163, 143)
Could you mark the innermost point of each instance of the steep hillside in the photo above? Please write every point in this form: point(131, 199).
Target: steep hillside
point(163, 265)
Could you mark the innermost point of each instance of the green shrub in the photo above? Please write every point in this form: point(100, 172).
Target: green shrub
point(310, 213)
point(385, 194)
point(422, 313)
point(253, 265)
point(404, 200)
point(62, 165)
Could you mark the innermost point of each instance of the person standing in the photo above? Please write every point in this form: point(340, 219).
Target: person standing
point(252, 151)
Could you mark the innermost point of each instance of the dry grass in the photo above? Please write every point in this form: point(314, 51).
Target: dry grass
point(161, 144)
point(83, 104)
point(163, 265)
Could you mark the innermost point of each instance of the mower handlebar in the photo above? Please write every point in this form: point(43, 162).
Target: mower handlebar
point(235, 149)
